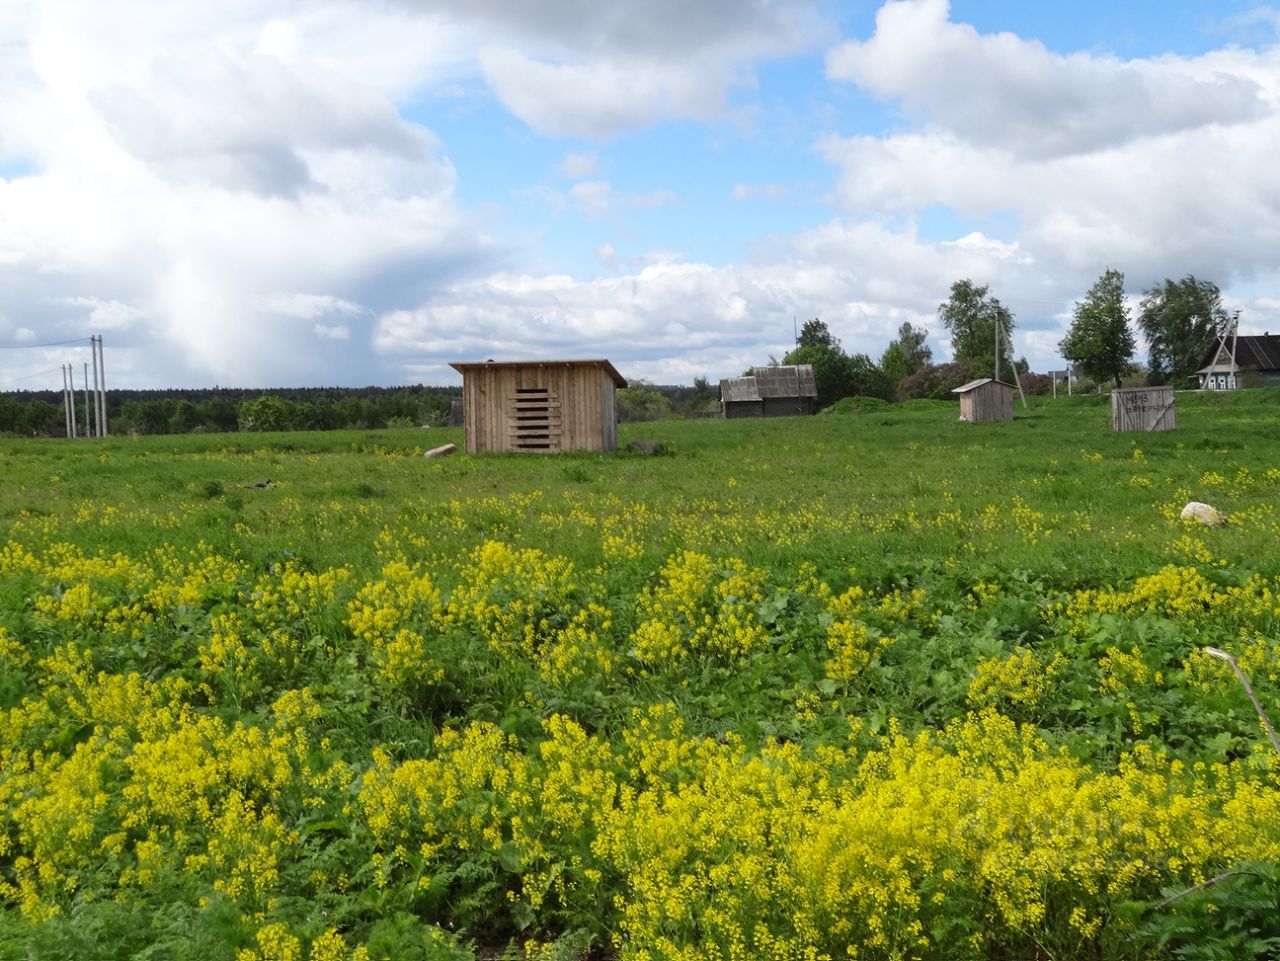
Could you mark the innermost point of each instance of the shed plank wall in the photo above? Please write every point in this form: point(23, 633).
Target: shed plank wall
point(582, 396)
point(988, 402)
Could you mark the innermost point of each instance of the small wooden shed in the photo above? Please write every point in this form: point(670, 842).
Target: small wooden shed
point(985, 399)
point(740, 397)
point(1142, 408)
point(541, 406)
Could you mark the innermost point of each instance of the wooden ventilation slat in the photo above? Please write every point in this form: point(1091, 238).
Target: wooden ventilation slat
point(533, 420)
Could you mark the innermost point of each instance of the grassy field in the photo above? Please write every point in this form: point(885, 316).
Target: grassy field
point(871, 684)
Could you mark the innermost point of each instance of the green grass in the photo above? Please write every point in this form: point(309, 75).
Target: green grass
point(967, 547)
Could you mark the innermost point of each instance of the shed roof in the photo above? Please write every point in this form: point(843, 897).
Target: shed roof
point(463, 366)
point(737, 389)
point(973, 384)
point(785, 380)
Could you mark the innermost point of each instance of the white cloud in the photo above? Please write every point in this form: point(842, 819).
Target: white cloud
point(594, 69)
point(197, 168)
point(108, 314)
point(308, 306)
point(1158, 167)
point(767, 191)
point(249, 123)
point(597, 199)
point(579, 166)
point(1007, 92)
point(334, 332)
point(669, 321)
point(598, 99)
point(607, 255)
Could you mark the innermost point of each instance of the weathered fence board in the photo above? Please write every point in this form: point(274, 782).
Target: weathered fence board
point(1142, 408)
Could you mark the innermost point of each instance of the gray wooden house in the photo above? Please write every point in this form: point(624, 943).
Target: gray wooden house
point(540, 406)
point(985, 399)
point(788, 390)
point(1246, 361)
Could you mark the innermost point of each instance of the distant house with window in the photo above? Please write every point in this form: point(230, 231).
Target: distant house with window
point(1256, 363)
point(786, 390)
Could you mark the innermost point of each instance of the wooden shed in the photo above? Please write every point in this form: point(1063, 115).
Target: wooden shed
point(785, 390)
point(1142, 408)
point(985, 399)
point(740, 397)
point(540, 406)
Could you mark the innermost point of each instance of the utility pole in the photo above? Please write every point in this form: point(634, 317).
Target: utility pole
point(1235, 336)
point(997, 326)
point(66, 406)
point(69, 398)
point(97, 397)
point(99, 386)
point(88, 428)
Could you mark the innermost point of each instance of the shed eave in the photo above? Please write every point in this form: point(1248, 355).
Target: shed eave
point(462, 366)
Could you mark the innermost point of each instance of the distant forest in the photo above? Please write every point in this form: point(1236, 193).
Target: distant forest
point(39, 413)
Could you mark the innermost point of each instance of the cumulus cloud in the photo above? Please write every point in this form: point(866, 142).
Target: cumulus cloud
point(675, 319)
point(244, 189)
point(308, 306)
point(767, 191)
point(108, 314)
point(578, 166)
point(1159, 167)
point(583, 69)
point(198, 178)
point(601, 98)
point(249, 123)
point(1012, 93)
point(597, 199)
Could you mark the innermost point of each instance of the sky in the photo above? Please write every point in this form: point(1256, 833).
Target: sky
point(268, 193)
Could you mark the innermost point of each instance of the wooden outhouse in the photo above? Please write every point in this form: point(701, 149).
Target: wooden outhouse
point(985, 399)
point(541, 406)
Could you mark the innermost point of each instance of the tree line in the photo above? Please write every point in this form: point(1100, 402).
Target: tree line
point(1180, 320)
point(40, 413)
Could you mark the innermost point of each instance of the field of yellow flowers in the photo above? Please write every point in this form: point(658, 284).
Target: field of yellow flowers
point(879, 685)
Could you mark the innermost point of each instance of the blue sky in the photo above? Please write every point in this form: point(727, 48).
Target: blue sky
point(266, 192)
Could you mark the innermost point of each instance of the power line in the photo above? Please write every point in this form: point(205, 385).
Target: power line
point(18, 380)
point(56, 343)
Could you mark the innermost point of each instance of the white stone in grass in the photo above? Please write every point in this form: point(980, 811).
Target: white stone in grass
point(1206, 515)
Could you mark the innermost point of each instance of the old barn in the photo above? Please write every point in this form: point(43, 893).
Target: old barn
point(785, 390)
point(540, 406)
point(985, 399)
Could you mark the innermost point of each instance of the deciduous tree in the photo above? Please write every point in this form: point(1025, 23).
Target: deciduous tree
point(907, 354)
point(971, 316)
point(1100, 341)
point(1180, 319)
